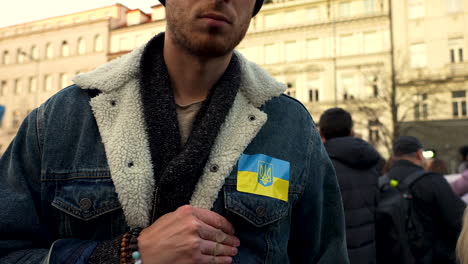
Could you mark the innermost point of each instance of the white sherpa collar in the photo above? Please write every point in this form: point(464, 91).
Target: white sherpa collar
point(118, 112)
point(256, 85)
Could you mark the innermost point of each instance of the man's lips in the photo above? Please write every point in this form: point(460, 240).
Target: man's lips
point(217, 17)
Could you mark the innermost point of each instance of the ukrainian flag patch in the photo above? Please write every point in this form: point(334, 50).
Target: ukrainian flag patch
point(263, 175)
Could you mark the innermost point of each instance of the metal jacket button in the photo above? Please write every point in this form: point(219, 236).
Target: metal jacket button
point(260, 211)
point(85, 204)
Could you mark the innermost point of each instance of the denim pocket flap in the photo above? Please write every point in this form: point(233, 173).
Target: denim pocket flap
point(86, 199)
point(256, 209)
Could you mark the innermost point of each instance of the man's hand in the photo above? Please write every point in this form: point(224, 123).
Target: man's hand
point(188, 235)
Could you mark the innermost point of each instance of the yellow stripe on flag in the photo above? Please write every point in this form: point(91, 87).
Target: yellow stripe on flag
point(248, 182)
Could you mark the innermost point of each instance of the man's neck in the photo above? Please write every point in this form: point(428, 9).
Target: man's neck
point(192, 77)
point(412, 160)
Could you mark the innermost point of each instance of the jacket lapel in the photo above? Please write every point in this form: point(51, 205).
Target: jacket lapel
point(119, 116)
point(241, 126)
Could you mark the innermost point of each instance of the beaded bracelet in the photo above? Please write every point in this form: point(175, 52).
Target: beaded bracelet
point(129, 247)
point(134, 246)
point(124, 256)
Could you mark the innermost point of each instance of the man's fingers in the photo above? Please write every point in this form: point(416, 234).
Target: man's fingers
point(213, 219)
point(206, 259)
point(211, 248)
point(208, 232)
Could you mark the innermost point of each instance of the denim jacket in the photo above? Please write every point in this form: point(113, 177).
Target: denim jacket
point(65, 183)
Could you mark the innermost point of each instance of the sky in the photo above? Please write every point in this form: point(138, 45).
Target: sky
point(14, 12)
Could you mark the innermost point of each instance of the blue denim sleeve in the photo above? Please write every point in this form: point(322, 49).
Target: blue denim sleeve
point(70, 251)
point(318, 229)
point(24, 237)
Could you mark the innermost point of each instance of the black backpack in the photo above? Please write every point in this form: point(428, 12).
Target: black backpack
point(399, 232)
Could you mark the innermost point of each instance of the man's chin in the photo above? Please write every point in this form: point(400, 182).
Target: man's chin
point(211, 48)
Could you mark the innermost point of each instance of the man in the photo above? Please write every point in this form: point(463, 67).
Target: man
point(439, 210)
point(356, 163)
point(182, 138)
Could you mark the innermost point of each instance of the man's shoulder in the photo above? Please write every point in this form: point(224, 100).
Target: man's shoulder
point(70, 101)
point(70, 95)
point(287, 106)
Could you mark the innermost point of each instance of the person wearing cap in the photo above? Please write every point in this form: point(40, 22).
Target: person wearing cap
point(438, 208)
point(181, 151)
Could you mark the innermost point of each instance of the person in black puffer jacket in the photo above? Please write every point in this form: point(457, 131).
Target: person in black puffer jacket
point(356, 164)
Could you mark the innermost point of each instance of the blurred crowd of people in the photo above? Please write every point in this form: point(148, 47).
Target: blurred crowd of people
point(433, 200)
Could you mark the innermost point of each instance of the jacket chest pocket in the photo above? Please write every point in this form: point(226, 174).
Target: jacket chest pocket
point(261, 224)
point(88, 209)
point(257, 210)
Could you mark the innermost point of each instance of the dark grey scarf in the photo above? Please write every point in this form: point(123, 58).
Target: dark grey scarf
point(178, 168)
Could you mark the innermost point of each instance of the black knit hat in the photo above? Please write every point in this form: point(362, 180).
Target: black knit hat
point(406, 145)
point(258, 5)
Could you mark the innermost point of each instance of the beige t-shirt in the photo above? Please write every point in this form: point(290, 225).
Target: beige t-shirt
point(186, 115)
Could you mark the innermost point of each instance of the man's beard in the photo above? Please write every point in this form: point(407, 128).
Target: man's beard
point(209, 44)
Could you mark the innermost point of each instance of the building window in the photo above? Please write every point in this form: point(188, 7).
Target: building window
point(81, 46)
point(49, 51)
point(345, 9)
point(48, 83)
point(20, 56)
point(98, 45)
point(3, 88)
point(374, 131)
point(18, 87)
point(369, 6)
point(65, 50)
point(291, 51)
point(418, 55)
point(416, 9)
point(313, 48)
point(32, 84)
point(271, 54)
point(372, 83)
point(454, 6)
point(313, 90)
point(314, 95)
point(348, 89)
point(459, 103)
point(456, 50)
point(291, 90)
point(371, 42)
point(347, 44)
point(63, 80)
point(34, 52)
point(16, 119)
point(421, 109)
point(6, 58)
point(313, 14)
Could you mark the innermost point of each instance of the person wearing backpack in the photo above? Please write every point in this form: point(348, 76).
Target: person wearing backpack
point(426, 228)
point(356, 163)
